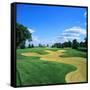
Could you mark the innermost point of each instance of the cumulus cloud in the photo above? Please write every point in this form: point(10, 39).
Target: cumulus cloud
point(76, 30)
point(71, 33)
point(72, 37)
point(31, 30)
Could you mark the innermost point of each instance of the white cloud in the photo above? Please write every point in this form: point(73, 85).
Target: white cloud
point(60, 39)
point(76, 30)
point(71, 38)
point(31, 30)
point(71, 33)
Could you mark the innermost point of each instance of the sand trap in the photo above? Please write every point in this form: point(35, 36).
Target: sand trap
point(80, 63)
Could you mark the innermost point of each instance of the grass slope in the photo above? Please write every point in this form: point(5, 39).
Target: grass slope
point(36, 72)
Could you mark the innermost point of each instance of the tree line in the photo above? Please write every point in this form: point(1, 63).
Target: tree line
point(22, 34)
point(72, 44)
point(39, 45)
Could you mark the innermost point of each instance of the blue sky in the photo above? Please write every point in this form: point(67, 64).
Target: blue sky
point(50, 24)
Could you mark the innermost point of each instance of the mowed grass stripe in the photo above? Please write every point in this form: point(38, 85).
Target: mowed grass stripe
point(35, 72)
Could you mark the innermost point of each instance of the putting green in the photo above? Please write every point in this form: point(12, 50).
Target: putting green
point(80, 63)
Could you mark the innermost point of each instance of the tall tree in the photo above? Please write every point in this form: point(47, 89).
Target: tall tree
point(29, 46)
point(22, 34)
point(81, 44)
point(32, 46)
point(75, 44)
point(22, 45)
point(69, 44)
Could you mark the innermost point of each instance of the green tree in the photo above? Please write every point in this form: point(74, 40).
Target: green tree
point(57, 45)
point(32, 46)
point(81, 44)
point(40, 45)
point(65, 44)
point(22, 45)
point(75, 44)
point(29, 46)
point(22, 34)
point(52, 46)
point(69, 44)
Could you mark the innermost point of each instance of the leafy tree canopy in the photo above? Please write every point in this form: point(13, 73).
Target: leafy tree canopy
point(22, 34)
point(75, 44)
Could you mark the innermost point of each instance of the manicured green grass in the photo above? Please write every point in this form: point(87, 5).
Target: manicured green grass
point(73, 53)
point(82, 49)
point(36, 50)
point(53, 49)
point(33, 71)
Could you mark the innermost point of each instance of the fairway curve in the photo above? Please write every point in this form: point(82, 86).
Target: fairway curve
point(79, 75)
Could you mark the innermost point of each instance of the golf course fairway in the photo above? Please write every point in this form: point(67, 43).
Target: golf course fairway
point(79, 75)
